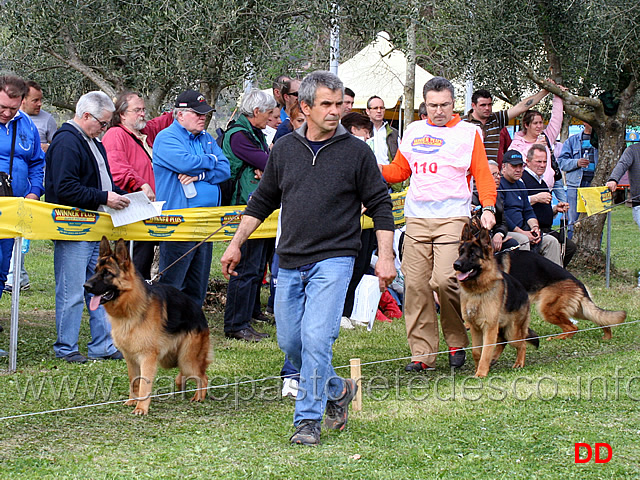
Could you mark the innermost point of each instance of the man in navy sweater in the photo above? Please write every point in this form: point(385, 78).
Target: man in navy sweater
point(521, 220)
point(77, 174)
point(321, 174)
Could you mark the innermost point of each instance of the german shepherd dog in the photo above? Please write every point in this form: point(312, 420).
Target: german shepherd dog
point(557, 294)
point(493, 303)
point(151, 325)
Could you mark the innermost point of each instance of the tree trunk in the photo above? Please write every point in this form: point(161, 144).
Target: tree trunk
point(410, 81)
point(611, 134)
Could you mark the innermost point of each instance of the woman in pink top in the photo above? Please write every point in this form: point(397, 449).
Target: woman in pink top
point(532, 131)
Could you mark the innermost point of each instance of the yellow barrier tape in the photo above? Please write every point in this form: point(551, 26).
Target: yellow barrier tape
point(20, 217)
point(594, 200)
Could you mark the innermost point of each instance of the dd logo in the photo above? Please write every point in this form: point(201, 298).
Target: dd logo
point(597, 447)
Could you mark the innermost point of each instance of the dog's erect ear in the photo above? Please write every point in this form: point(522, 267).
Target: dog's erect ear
point(485, 240)
point(122, 254)
point(466, 233)
point(105, 247)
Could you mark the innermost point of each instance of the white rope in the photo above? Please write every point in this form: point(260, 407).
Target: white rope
point(273, 377)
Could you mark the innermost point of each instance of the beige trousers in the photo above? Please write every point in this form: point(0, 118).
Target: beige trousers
point(428, 268)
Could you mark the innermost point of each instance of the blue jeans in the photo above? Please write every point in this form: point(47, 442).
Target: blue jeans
point(308, 308)
point(6, 251)
point(244, 289)
point(191, 274)
point(73, 264)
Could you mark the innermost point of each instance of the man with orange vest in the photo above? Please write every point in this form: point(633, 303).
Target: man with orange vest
point(438, 154)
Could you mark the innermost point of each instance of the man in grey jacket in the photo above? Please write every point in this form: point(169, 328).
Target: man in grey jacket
point(321, 174)
point(629, 161)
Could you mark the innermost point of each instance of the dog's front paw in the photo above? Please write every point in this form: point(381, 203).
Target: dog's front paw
point(140, 410)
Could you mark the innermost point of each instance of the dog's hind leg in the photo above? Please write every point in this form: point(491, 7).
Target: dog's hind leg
point(193, 364)
point(555, 314)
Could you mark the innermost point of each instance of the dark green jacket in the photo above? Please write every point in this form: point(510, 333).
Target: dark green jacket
point(241, 172)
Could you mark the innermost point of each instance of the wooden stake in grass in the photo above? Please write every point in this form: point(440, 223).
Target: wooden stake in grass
point(356, 404)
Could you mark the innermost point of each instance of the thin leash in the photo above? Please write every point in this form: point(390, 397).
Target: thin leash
point(224, 224)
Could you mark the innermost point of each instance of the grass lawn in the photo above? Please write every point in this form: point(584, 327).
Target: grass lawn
point(513, 424)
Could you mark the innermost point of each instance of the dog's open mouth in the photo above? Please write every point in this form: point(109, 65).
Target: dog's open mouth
point(98, 300)
point(462, 276)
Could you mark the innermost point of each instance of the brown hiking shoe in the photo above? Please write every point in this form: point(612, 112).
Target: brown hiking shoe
point(307, 433)
point(337, 411)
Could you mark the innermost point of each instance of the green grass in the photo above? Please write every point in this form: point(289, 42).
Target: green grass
point(513, 424)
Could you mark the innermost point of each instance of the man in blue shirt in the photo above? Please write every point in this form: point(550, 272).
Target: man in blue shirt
point(578, 159)
point(186, 156)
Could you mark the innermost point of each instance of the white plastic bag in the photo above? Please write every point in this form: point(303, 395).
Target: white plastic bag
point(366, 300)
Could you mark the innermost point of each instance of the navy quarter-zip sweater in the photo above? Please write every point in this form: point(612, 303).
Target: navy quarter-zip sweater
point(320, 196)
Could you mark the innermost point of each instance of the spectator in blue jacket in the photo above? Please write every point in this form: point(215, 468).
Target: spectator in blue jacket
point(578, 159)
point(19, 139)
point(184, 156)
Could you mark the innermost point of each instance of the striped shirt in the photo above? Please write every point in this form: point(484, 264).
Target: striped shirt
point(491, 131)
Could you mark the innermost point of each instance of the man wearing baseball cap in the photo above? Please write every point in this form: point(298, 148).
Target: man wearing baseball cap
point(521, 220)
point(186, 156)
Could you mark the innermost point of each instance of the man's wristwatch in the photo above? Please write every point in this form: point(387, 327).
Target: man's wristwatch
point(489, 208)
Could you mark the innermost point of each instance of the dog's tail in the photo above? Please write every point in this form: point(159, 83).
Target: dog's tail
point(599, 316)
point(532, 338)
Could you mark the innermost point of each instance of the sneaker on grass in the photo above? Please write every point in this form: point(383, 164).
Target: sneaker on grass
point(337, 411)
point(290, 387)
point(345, 322)
point(307, 433)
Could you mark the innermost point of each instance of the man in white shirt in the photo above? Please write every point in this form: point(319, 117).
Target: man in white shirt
point(385, 138)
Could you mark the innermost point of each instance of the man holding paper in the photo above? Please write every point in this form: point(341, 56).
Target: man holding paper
point(77, 174)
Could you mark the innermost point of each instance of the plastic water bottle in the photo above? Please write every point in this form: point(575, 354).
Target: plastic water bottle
point(638, 278)
point(26, 243)
point(189, 190)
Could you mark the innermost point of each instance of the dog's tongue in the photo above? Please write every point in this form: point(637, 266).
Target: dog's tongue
point(462, 276)
point(95, 302)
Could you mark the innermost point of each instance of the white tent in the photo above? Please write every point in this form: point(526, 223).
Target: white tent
point(379, 69)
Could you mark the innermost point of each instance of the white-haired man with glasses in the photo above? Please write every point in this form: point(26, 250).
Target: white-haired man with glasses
point(77, 174)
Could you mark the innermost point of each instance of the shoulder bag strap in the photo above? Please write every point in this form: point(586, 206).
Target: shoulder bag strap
point(13, 148)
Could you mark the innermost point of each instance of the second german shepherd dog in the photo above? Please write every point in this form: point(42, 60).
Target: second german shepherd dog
point(558, 295)
point(151, 325)
point(492, 302)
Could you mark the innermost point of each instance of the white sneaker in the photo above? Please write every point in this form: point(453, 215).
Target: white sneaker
point(359, 323)
point(345, 322)
point(290, 387)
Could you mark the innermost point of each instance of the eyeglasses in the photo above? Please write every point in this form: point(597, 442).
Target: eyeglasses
point(439, 106)
point(198, 113)
point(496, 175)
point(103, 125)
point(293, 94)
point(137, 111)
